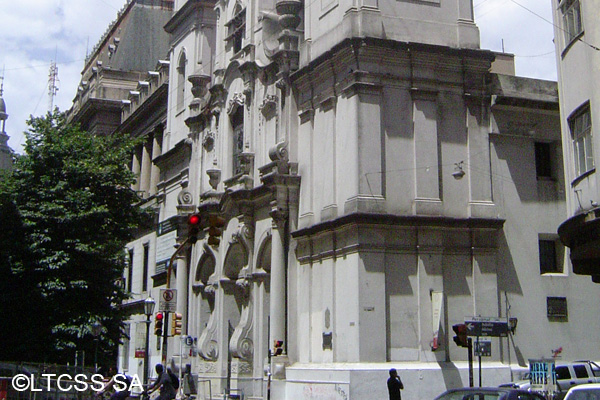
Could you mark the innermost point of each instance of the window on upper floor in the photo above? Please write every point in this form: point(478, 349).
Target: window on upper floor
point(543, 160)
point(146, 265)
point(181, 81)
point(236, 28)
point(550, 252)
point(130, 271)
point(237, 147)
point(572, 25)
point(580, 123)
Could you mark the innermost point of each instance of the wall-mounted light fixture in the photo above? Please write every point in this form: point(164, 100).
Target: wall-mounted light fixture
point(458, 170)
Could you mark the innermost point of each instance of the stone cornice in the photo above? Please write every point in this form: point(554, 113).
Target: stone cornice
point(366, 64)
point(382, 233)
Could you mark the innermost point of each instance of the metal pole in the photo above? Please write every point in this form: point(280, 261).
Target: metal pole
point(146, 354)
point(470, 349)
point(166, 314)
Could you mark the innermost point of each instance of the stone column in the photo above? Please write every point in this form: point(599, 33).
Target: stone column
point(146, 167)
point(136, 167)
point(155, 171)
point(277, 329)
point(182, 289)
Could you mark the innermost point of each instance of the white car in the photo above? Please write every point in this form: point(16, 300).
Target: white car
point(586, 391)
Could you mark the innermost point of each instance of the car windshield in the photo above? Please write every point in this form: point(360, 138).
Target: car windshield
point(470, 395)
point(584, 394)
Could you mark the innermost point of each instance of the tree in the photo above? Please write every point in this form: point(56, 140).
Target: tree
point(67, 210)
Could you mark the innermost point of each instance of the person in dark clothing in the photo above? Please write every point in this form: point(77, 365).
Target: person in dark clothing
point(163, 381)
point(120, 382)
point(394, 385)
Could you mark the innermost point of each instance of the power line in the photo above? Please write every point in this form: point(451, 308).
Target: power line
point(555, 25)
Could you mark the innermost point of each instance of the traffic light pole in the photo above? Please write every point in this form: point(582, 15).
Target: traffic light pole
point(470, 350)
point(181, 247)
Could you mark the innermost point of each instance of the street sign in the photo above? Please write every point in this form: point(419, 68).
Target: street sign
point(483, 347)
point(486, 326)
point(168, 300)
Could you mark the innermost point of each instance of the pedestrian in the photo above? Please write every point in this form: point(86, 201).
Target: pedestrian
point(164, 383)
point(118, 382)
point(394, 385)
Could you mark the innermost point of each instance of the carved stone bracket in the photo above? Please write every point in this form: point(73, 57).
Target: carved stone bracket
point(279, 152)
point(241, 345)
point(246, 162)
point(236, 101)
point(249, 71)
point(269, 105)
point(214, 175)
point(208, 141)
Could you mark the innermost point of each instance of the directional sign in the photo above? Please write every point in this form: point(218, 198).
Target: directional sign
point(486, 326)
point(168, 300)
point(483, 347)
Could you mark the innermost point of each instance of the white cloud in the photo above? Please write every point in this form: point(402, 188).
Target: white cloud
point(35, 32)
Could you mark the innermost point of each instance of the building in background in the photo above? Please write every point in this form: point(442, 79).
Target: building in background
point(577, 39)
point(130, 47)
point(6, 153)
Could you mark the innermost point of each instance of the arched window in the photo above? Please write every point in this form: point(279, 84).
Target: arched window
point(181, 81)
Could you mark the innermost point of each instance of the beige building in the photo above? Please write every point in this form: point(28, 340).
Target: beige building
point(576, 37)
point(380, 179)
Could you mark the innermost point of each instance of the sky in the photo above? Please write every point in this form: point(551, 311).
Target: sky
point(34, 33)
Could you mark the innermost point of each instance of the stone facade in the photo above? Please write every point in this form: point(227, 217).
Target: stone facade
point(378, 182)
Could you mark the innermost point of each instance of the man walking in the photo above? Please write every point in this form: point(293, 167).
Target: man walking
point(394, 385)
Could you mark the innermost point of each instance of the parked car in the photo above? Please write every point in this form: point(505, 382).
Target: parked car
point(567, 375)
point(586, 391)
point(489, 393)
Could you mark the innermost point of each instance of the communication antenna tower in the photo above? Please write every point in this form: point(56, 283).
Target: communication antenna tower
point(52, 84)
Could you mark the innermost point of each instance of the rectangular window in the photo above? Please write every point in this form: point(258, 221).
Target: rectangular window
point(556, 307)
point(146, 262)
point(549, 260)
point(572, 25)
point(130, 272)
point(543, 159)
point(581, 129)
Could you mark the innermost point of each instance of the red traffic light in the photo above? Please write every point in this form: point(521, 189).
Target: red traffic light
point(159, 316)
point(278, 347)
point(194, 219)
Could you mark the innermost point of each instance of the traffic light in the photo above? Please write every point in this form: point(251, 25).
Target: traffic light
point(278, 348)
point(158, 324)
point(461, 335)
point(176, 324)
point(215, 229)
point(193, 227)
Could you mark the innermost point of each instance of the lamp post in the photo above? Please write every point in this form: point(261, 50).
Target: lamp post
point(148, 310)
point(96, 331)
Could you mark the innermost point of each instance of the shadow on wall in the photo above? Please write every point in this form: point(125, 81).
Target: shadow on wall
point(508, 279)
point(451, 376)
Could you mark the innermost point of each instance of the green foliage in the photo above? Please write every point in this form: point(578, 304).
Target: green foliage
point(68, 210)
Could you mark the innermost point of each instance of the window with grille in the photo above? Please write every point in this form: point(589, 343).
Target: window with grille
point(580, 124)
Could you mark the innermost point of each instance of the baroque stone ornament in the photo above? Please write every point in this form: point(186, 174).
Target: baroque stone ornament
point(214, 175)
point(279, 152)
point(269, 105)
point(185, 197)
point(208, 141)
point(236, 101)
